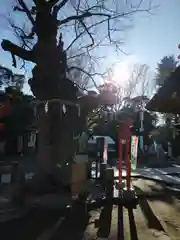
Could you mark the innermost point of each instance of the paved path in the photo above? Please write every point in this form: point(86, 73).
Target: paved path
point(155, 219)
point(152, 220)
point(160, 174)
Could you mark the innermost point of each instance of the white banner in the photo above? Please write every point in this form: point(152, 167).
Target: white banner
point(134, 151)
point(105, 153)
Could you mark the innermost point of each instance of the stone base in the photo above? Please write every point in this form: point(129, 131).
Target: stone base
point(120, 186)
point(129, 198)
point(128, 194)
point(79, 178)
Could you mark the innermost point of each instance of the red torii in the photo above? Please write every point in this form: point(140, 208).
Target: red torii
point(124, 133)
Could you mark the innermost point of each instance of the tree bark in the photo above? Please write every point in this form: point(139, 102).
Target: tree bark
point(44, 148)
point(18, 51)
point(56, 143)
point(55, 140)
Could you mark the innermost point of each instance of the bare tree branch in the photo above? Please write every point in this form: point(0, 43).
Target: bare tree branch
point(86, 19)
point(58, 7)
point(52, 2)
point(88, 14)
point(137, 78)
point(84, 32)
point(90, 35)
point(90, 75)
point(26, 10)
point(83, 16)
point(18, 51)
point(21, 35)
point(95, 16)
point(132, 88)
point(16, 8)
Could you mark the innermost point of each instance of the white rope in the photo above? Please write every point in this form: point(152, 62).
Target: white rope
point(56, 100)
point(62, 102)
point(46, 107)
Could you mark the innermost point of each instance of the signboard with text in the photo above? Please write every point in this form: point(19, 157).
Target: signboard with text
point(134, 151)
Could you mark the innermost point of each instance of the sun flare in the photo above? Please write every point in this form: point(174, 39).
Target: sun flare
point(121, 73)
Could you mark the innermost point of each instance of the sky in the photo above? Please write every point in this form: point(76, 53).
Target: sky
point(152, 37)
point(156, 36)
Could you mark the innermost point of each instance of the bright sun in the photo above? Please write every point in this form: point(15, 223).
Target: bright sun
point(121, 73)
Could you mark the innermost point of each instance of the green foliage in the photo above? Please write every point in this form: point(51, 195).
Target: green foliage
point(166, 66)
point(97, 104)
point(22, 113)
point(109, 94)
point(129, 110)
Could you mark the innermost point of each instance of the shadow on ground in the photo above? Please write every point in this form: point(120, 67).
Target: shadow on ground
point(105, 219)
point(48, 224)
point(104, 222)
point(74, 225)
point(40, 223)
point(29, 227)
point(152, 221)
point(132, 225)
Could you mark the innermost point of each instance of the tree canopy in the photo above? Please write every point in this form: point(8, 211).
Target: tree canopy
point(91, 24)
point(164, 68)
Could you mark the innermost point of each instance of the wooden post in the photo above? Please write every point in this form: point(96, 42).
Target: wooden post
point(120, 221)
point(120, 226)
point(128, 164)
point(97, 167)
point(17, 182)
point(104, 222)
point(120, 156)
point(89, 168)
point(109, 176)
point(79, 178)
point(100, 152)
point(102, 173)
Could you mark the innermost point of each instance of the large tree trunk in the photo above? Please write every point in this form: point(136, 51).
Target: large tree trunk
point(44, 148)
point(61, 136)
point(55, 144)
point(47, 84)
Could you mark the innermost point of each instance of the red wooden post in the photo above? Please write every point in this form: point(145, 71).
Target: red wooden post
point(128, 164)
point(121, 137)
point(120, 149)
